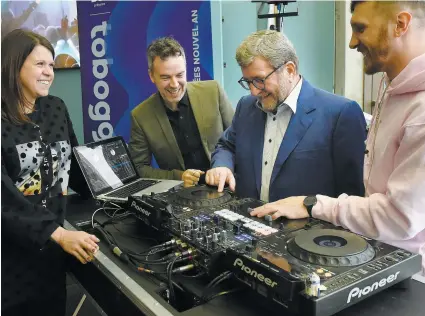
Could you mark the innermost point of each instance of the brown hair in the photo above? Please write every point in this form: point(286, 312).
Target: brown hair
point(415, 5)
point(15, 48)
point(163, 48)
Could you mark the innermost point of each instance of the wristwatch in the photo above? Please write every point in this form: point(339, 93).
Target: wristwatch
point(309, 202)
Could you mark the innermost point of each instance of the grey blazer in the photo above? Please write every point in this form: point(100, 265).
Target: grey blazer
point(151, 131)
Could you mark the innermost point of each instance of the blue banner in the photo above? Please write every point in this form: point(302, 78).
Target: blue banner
point(114, 36)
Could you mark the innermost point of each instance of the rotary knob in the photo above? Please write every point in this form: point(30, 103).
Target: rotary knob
point(223, 236)
point(199, 237)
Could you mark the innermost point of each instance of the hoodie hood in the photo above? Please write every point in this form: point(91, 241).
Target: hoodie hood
point(410, 79)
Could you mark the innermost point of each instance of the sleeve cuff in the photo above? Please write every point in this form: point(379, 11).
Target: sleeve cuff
point(46, 233)
point(324, 209)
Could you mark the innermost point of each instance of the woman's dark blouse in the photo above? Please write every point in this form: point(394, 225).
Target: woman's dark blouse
point(35, 177)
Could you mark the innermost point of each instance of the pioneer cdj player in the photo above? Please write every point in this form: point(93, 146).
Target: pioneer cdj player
point(277, 259)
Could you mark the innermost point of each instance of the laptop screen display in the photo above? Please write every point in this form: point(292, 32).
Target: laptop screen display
point(106, 165)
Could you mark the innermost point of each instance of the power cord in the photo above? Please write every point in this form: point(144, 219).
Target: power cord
point(211, 297)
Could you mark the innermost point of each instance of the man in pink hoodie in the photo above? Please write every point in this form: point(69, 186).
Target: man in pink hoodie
point(391, 37)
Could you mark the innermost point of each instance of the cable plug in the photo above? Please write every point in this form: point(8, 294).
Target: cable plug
point(118, 252)
point(184, 268)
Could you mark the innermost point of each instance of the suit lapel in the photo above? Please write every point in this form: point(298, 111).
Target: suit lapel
point(165, 125)
point(197, 108)
point(199, 105)
point(257, 124)
point(298, 126)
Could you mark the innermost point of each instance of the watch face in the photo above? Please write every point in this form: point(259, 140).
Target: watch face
point(310, 200)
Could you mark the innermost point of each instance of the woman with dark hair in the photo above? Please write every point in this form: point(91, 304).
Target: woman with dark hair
point(36, 150)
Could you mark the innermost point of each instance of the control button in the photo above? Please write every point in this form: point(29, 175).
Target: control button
point(246, 220)
point(258, 230)
point(249, 248)
point(392, 259)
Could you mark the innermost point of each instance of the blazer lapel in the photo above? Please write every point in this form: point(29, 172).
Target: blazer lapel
point(257, 124)
point(298, 126)
point(165, 125)
point(198, 108)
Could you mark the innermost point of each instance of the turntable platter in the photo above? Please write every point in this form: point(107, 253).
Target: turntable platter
point(331, 247)
point(200, 196)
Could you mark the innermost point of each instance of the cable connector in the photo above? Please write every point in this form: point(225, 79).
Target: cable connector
point(170, 242)
point(184, 268)
point(118, 252)
point(188, 252)
point(172, 255)
point(186, 258)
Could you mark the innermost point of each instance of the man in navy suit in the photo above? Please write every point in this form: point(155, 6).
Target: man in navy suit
point(287, 138)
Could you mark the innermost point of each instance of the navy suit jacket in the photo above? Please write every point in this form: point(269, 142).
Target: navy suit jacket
point(322, 151)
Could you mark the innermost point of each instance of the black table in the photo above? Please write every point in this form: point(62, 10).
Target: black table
point(120, 290)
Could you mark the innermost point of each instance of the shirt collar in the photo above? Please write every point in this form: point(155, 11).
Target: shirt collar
point(292, 98)
point(183, 102)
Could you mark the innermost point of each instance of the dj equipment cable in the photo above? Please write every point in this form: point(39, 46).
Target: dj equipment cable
point(217, 280)
point(170, 283)
point(221, 277)
point(211, 297)
point(116, 208)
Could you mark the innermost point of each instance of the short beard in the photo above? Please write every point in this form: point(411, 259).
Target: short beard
point(284, 90)
point(381, 52)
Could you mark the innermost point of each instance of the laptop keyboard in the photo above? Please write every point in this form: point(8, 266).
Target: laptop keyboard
point(126, 191)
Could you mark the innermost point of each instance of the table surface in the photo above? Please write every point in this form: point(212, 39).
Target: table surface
point(141, 289)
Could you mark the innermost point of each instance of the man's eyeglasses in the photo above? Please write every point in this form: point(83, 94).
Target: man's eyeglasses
point(260, 84)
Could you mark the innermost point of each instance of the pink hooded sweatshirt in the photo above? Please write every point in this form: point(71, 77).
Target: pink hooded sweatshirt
point(393, 210)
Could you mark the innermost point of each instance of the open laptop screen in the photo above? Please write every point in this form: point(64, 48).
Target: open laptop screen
point(106, 165)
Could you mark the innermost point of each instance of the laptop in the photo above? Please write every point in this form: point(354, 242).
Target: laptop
point(110, 172)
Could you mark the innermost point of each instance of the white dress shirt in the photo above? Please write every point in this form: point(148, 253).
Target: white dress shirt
point(274, 132)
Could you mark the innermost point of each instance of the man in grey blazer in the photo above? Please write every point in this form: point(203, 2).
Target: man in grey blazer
point(181, 123)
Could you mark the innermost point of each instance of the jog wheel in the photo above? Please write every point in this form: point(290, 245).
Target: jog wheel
point(331, 247)
point(200, 196)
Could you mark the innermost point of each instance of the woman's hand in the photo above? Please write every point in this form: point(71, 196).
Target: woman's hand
point(77, 243)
